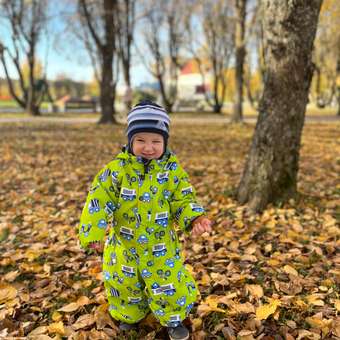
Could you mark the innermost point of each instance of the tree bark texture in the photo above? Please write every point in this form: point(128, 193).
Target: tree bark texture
point(240, 53)
point(270, 174)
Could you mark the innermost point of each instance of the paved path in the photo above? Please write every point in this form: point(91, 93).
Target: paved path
point(206, 119)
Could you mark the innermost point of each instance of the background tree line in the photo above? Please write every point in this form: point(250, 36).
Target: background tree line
point(224, 37)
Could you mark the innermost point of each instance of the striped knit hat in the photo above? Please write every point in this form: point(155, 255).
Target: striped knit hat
point(147, 116)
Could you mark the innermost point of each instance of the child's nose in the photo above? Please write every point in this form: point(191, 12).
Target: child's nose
point(148, 146)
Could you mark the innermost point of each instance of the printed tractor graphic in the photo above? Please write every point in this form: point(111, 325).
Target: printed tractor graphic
point(174, 321)
point(126, 233)
point(196, 207)
point(162, 177)
point(103, 177)
point(162, 219)
point(128, 195)
point(110, 207)
point(114, 176)
point(159, 250)
point(168, 289)
point(187, 191)
point(94, 206)
point(128, 271)
point(134, 301)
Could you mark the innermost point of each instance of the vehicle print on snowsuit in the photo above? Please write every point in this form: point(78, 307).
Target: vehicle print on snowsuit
point(94, 206)
point(159, 250)
point(126, 233)
point(162, 177)
point(128, 194)
point(162, 219)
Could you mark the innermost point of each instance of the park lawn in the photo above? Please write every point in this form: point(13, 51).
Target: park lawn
point(312, 110)
point(265, 275)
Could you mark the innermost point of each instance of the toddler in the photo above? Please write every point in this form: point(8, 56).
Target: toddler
point(139, 196)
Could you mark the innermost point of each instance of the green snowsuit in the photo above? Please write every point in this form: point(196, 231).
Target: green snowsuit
point(142, 264)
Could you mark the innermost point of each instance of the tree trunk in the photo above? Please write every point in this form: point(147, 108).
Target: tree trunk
point(217, 107)
point(32, 109)
point(270, 174)
point(338, 84)
point(107, 90)
point(239, 60)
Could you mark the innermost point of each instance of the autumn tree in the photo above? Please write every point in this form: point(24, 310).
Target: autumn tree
point(213, 46)
point(270, 173)
point(126, 21)
point(240, 53)
point(25, 21)
point(164, 27)
point(99, 21)
point(327, 54)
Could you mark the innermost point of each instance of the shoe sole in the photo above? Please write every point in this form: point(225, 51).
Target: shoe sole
point(181, 339)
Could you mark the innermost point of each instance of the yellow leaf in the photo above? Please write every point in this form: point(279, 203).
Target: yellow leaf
point(56, 327)
point(271, 224)
point(273, 262)
point(337, 304)
point(7, 292)
point(255, 290)
point(290, 270)
point(189, 268)
point(71, 307)
point(263, 312)
point(196, 323)
point(212, 300)
point(314, 299)
point(56, 316)
point(205, 280)
point(318, 323)
point(239, 224)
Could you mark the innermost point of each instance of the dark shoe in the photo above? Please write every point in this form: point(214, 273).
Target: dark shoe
point(123, 326)
point(178, 333)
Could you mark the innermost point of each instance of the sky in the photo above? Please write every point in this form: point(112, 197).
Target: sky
point(64, 54)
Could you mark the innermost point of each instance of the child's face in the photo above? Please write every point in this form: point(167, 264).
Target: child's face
point(148, 145)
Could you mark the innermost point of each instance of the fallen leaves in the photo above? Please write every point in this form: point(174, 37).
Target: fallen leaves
point(264, 311)
point(7, 293)
point(275, 273)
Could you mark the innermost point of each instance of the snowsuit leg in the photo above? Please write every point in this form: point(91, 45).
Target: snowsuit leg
point(170, 288)
point(123, 284)
point(175, 302)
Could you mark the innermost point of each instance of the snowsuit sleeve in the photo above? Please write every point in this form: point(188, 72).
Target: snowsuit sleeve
point(100, 205)
point(183, 205)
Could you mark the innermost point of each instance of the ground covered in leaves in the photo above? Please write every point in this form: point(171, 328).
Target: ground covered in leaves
point(274, 275)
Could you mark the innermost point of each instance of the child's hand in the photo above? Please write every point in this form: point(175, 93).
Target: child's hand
point(201, 225)
point(97, 246)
